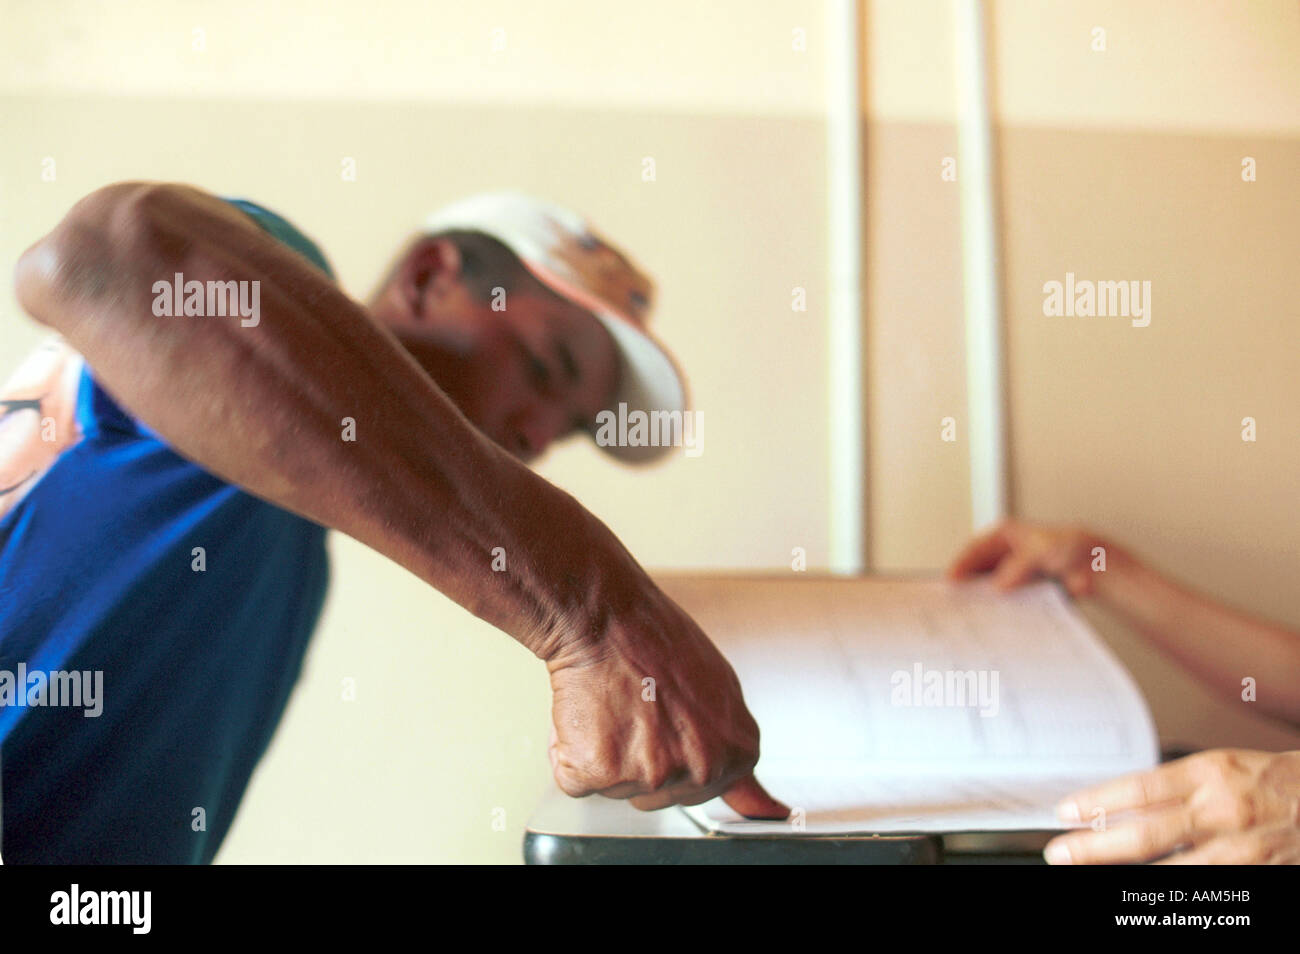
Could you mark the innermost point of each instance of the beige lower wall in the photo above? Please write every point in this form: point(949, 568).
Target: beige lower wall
point(1137, 431)
point(1133, 431)
point(918, 506)
point(439, 757)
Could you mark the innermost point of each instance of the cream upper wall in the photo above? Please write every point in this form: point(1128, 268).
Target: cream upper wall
point(728, 56)
point(1189, 65)
point(1192, 65)
point(910, 70)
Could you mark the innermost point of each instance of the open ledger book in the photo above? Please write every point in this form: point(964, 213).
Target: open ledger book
point(929, 706)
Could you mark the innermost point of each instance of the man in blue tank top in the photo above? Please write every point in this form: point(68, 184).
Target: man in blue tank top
point(170, 463)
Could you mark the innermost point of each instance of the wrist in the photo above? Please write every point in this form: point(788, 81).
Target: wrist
point(605, 596)
point(587, 583)
point(1116, 575)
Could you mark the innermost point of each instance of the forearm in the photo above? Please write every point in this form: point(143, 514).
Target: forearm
point(1217, 644)
point(263, 407)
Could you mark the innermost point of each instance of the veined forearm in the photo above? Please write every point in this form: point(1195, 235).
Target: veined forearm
point(264, 406)
point(1218, 645)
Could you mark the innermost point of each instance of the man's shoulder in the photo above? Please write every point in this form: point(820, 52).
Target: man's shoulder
point(278, 227)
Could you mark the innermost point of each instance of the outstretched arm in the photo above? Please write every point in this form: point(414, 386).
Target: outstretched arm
point(263, 406)
point(1217, 644)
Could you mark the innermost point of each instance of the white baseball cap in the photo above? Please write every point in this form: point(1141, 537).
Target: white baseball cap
point(567, 256)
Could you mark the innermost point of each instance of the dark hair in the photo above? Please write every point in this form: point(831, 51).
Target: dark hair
point(486, 263)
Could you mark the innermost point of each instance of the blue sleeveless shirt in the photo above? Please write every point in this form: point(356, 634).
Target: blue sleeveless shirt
point(98, 573)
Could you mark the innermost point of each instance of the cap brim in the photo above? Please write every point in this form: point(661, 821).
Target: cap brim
point(649, 381)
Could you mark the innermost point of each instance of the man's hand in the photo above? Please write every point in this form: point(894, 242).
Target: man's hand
point(1016, 553)
point(1228, 806)
point(650, 711)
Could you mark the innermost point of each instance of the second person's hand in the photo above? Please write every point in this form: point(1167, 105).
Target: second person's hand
point(1228, 806)
point(1015, 553)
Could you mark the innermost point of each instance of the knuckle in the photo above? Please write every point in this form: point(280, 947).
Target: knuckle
point(1245, 852)
point(1080, 850)
point(702, 772)
point(655, 775)
point(1215, 765)
point(1217, 808)
point(595, 765)
point(1146, 786)
point(572, 783)
point(1203, 810)
point(740, 758)
point(1245, 811)
point(655, 768)
point(1275, 847)
point(1147, 841)
point(747, 738)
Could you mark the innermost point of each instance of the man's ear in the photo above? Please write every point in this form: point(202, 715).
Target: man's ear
point(432, 265)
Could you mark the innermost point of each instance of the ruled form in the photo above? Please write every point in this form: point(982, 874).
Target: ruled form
point(932, 706)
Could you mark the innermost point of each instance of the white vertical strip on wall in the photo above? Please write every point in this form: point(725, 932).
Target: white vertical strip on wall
point(844, 312)
point(984, 399)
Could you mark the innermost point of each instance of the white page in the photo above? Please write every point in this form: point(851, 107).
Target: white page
point(913, 802)
point(1056, 712)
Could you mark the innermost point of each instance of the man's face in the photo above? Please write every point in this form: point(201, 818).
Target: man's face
point(526, 375)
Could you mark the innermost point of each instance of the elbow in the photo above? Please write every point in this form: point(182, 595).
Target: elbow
point(90, 251)
point(54, 276)
point(51, 275)
point(33, 274)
